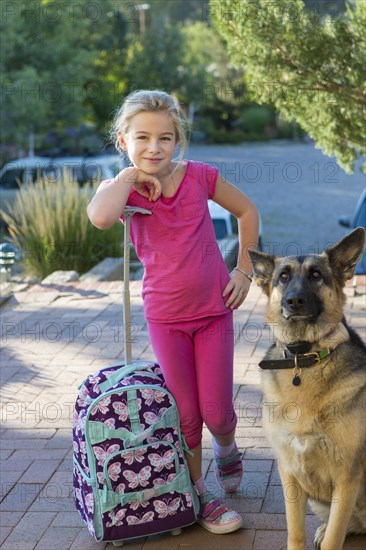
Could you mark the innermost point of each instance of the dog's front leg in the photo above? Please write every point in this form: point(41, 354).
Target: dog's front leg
point(343, 503)
point(295, 502)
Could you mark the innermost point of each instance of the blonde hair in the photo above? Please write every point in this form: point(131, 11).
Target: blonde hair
point(151, 101)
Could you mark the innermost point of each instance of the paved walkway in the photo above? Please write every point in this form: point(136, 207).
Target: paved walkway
point(52, 338)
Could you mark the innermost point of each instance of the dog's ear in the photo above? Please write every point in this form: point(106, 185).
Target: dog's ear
point(344, 255)
point(263, 267)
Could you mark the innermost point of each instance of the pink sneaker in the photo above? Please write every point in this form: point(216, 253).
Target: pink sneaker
point(216, 517)
point(229, 470)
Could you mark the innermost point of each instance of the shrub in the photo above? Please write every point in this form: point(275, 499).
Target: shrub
point(229, 137)
point(289, 130)
point(256, 119)
point(49, 224)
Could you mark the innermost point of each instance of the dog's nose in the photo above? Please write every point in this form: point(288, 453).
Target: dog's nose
point(295, 300)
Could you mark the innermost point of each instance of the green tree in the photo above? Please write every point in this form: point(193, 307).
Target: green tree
point(204, 62)
point(46, 64)
point(109, 39)
point(179, 11)
point(153, 60)
point(309, 65)
point(181, 59)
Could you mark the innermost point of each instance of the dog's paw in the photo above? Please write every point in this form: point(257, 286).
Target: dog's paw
point(319, 535)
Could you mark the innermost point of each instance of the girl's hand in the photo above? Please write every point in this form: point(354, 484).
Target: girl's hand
point(145, 184)
point(238, 288)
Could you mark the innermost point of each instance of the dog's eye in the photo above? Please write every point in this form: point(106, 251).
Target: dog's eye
point(284, 276)
point(315, 275)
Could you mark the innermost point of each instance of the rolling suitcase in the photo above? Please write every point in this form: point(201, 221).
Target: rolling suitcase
point(130, 475)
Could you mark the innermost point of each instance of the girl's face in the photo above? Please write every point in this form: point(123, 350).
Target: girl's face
point(150, 142)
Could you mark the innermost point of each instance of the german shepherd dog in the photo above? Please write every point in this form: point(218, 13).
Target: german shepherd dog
point(315, 378)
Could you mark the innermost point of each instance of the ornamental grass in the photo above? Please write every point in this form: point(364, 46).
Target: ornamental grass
point(49, 225)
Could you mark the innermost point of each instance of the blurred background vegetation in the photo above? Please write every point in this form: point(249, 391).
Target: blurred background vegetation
point(307, 59)
point(48, 224)
point(67, 64)
point(243, 70)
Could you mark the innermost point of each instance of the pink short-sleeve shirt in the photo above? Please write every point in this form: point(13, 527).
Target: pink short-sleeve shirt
point(184, 272)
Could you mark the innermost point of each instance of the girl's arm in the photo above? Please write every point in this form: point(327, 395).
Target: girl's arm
point(229, 197)
point(111, 197)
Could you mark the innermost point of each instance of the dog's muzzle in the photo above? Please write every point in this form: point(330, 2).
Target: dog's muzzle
point(297, 304)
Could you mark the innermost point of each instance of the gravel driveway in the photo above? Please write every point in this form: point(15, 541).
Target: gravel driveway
point(299, 191)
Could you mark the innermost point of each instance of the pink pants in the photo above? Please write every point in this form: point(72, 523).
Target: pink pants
point(196, 358)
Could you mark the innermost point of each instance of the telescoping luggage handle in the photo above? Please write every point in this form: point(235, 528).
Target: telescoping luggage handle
point(128, 212)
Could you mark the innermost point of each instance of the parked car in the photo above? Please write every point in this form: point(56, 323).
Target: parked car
point(359, 220)
point(226, 230)
point(23, 171)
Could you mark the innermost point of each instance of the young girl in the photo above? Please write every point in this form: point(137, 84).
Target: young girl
point(189, 295)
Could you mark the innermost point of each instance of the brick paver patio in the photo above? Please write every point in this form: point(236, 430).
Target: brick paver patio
point(53, 336)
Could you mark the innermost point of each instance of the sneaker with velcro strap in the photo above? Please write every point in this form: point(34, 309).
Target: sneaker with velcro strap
point(229, 470)
point(216, 517)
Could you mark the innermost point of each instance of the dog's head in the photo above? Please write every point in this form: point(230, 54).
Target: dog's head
point(306, 292)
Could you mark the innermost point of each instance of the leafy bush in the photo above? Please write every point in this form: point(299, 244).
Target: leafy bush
point(256, 119)
point(205, 124)
point(232, 124)
point(226, 136)
point(289, 130)
point(49, 224)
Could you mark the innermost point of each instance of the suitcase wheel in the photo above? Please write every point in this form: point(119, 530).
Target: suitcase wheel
point(173, 532)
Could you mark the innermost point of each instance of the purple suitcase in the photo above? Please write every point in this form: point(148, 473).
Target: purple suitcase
point(130, 474)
